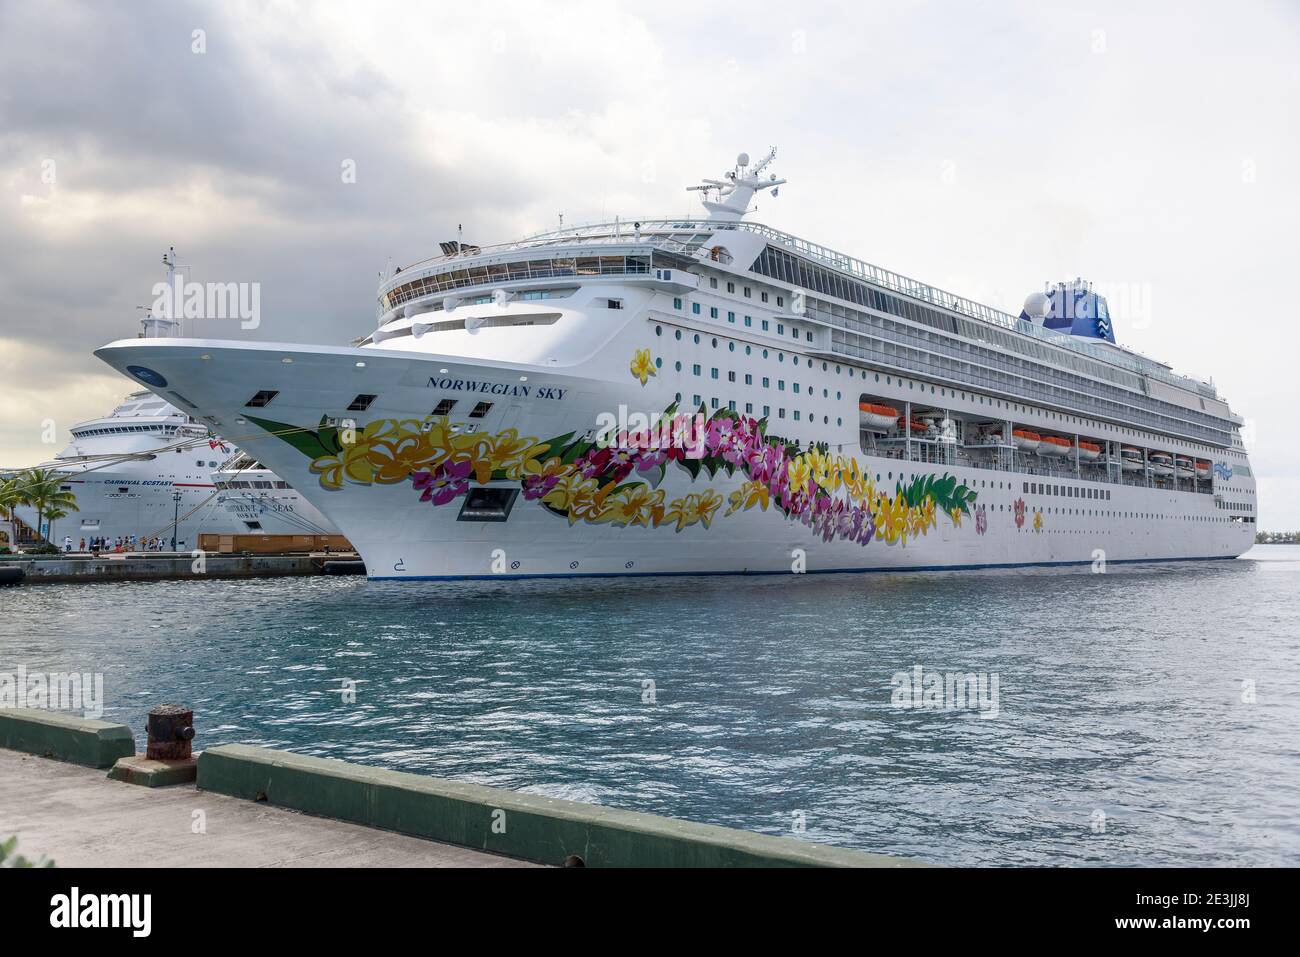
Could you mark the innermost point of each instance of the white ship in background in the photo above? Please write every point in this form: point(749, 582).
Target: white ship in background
point(148, 467)
point(717, 396)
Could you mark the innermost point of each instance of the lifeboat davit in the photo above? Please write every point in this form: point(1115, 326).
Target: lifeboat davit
point(1025, 440)
point(1202, 468)
point(1089, 451)
point(1161, 463)
point(1054, 445)
point(879, 417)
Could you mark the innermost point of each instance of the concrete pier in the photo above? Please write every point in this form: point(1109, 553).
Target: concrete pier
point(168, 565)
point(77, 817)
point(57, 801)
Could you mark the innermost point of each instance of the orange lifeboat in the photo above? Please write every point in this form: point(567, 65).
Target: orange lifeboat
point(1089, 451)
point(1202, 468)
point(877, 417)
point(917, 425)
point(1054, 445)
point(1025, 440)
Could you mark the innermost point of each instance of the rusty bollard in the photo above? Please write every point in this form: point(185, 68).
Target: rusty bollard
point(171, 729)
point(168, 759)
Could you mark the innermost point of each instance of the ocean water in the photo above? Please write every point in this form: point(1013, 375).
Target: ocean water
point(1146, 716)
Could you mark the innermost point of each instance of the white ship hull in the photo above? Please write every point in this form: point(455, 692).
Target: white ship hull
point(400, 536)
point(126, 476)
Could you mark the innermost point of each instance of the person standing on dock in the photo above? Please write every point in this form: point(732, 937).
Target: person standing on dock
point(67, 544)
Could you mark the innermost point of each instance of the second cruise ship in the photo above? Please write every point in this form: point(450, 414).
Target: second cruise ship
point(714, 395)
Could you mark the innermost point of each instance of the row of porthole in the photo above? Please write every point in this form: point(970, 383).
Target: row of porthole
point(695, 370)
point(697, 400)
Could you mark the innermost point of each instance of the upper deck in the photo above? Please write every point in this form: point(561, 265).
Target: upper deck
point(632, 249)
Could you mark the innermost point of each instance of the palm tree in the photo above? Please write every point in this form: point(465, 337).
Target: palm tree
point(54, 513)
point(11, 495)
point(43, 490)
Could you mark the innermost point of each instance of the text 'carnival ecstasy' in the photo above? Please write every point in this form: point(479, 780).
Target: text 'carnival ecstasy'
point(714, 395)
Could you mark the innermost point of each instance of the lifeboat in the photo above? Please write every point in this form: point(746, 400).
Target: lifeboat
point(917, 425)
point(873, 416)
point(1025, 440)
point(1131, 457)
point(1202, 468)
point(1161, 463)
point(1089, 451)
point(1054, 445)
point(1183, 465)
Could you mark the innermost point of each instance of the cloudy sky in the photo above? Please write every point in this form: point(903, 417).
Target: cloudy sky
point(983, 148)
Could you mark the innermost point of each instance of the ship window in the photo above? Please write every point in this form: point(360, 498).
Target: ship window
point(614, 303)
point(254, 526)
point(199, 463)
point(480, 410)
point(444, 407)
point(262, 399)
point(361, 402)
point(487, 505)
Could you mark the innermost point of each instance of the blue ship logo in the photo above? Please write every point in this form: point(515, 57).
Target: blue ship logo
point(1223, 471)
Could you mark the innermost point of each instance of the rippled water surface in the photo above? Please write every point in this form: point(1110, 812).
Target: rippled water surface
point(1118, 695)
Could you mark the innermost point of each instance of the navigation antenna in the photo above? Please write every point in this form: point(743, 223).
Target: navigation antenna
point(728, 199)
point(167, 323)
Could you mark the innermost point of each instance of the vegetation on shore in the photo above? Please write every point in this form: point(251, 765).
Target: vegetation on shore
point(41, 489)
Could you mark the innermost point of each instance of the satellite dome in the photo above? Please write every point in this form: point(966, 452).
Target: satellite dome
point(742, 159)
point(1037, 306)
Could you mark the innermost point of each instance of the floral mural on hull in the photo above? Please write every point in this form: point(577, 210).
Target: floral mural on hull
point(617, 482)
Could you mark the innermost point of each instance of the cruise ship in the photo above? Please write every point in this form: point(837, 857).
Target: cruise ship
point(712, 395)
point(148, 467)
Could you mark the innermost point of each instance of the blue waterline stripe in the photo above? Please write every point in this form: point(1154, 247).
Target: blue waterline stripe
point(818, 571)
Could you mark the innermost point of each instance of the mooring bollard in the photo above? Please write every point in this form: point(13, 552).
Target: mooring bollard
point(167, 759)
point(171, 729)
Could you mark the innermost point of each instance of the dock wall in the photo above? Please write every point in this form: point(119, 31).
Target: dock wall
point(96, 744)
point(523, 826)
point(157, 567)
